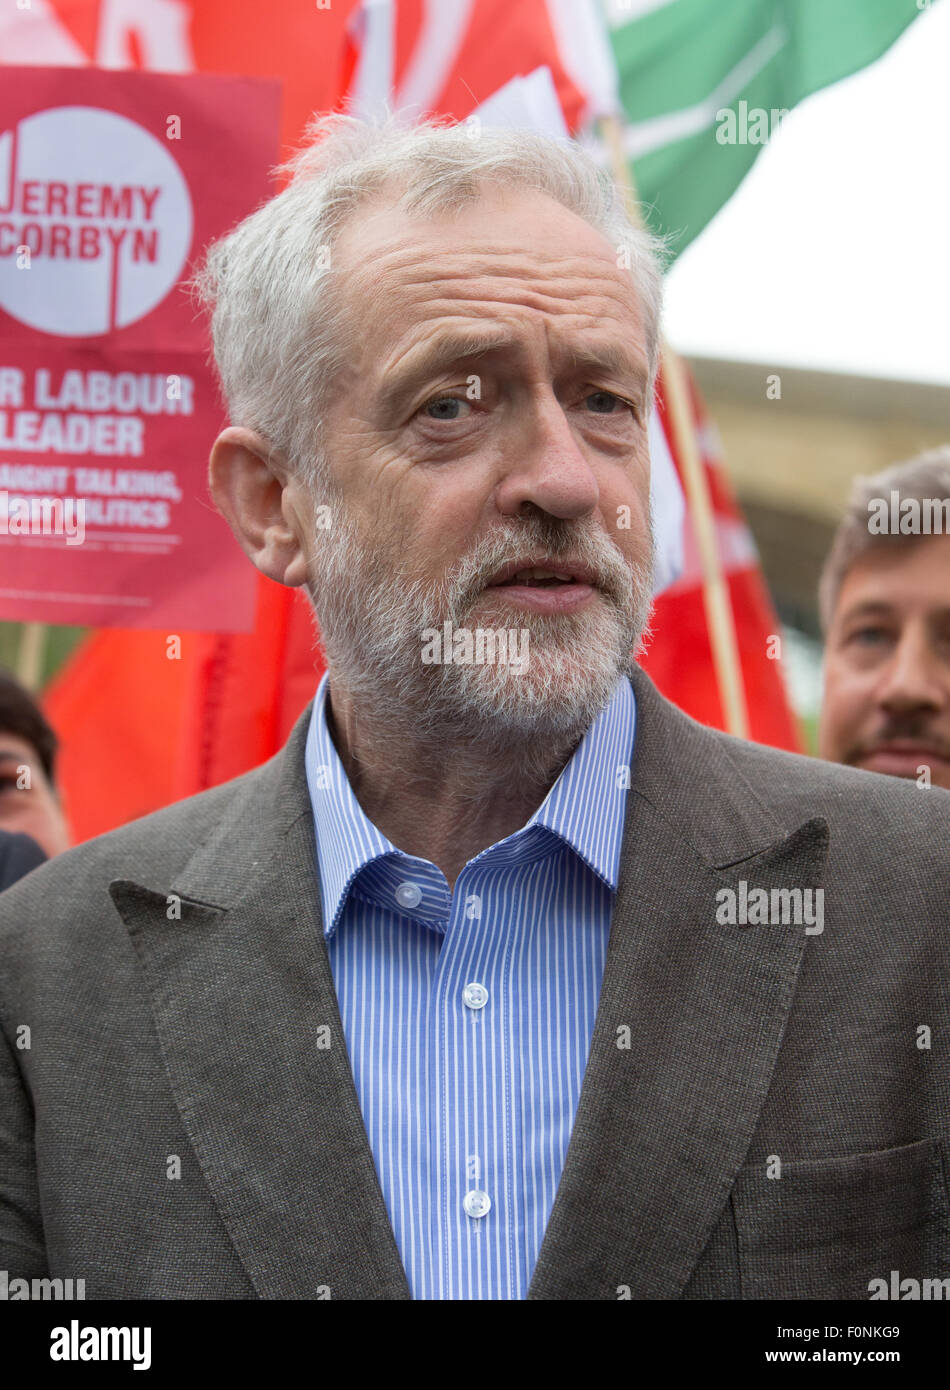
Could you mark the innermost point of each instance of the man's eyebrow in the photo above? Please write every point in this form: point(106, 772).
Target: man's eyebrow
point(879, 608)
point(868, 608)
point(439, 354)
point(450, 348)
point(613, 358)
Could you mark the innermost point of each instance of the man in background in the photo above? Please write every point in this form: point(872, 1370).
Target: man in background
point(29, 803)
point(884, 599)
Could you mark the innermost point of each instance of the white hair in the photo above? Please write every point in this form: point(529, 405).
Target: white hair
point(279, 336)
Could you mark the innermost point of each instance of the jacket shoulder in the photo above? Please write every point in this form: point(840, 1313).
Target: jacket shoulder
point(152, 848)
point(863, 802)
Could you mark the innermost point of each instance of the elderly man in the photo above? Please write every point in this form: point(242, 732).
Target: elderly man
point(503, 979)
point(885, 607)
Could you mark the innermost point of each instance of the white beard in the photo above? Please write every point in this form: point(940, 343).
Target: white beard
point(372, 621)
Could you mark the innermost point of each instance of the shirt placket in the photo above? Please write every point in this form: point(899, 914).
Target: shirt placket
point(472, 1140)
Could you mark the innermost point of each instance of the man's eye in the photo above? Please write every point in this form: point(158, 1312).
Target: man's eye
point(446, 408)
point(867, 636)
point(603, 402)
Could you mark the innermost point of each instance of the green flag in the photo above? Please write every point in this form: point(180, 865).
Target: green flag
point(704, 83)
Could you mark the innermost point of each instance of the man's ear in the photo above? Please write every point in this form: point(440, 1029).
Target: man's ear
point(262, 502)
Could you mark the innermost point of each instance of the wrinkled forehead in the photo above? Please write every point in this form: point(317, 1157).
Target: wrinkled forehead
point(528, 219)
point(910, 573)
point(520, 257)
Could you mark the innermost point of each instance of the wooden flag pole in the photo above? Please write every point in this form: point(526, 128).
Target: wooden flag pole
point(31, 655)
point(719, 615)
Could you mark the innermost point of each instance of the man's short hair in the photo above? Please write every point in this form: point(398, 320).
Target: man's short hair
point(924, 479)
point(21, 716)
point(277, 328)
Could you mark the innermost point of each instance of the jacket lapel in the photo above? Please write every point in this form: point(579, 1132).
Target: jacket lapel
point(689, 1024)
point(246, 1013)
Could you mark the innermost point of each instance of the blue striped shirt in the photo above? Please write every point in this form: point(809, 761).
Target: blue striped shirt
point(468, 1014)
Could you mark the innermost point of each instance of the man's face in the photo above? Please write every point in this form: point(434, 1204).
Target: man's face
point(493, 414)
point(28, 804)
point(887, 664)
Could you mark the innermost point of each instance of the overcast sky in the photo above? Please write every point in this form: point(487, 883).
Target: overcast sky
point(835, 251)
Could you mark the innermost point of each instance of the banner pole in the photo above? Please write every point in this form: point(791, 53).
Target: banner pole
point(32, 654)
point(720, 619)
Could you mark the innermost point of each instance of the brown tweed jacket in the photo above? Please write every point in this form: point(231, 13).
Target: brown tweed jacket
point(765, 1111)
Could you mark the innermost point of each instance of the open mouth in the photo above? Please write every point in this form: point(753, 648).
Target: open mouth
point(540, 577)
point(543, 581)
point(544, 589)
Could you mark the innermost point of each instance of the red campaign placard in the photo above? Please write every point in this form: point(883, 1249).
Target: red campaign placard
point(111, 186)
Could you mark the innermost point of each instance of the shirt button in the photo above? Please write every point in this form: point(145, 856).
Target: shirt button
point(408, 895)
point(475, 996)
point(476, 1203)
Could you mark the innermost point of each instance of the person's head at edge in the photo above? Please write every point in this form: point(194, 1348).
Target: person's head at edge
point(29, 803)
point(884, 599)
point(439, 351)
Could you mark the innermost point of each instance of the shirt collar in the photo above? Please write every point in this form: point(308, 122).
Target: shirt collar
point(584, 808)
point(586, 805)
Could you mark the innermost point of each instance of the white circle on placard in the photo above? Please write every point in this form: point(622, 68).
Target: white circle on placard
point(105, 212)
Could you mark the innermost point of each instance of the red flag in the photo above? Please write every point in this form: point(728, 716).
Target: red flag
point(304, 43)
point(679, 659)
point(141, 726)
point(449, 58)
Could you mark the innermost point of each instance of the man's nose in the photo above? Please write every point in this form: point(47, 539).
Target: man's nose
point(547, 466)
point(915, 678)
